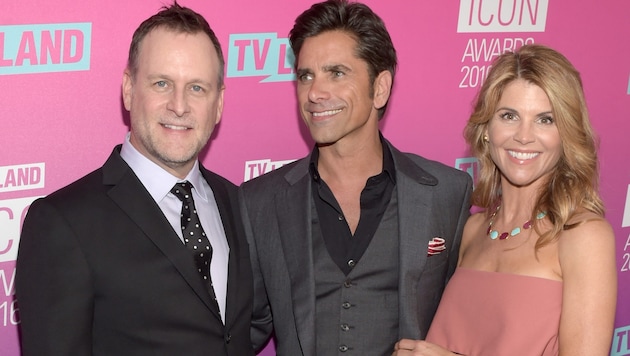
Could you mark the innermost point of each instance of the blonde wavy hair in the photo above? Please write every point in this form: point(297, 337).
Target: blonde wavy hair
point(573, 184)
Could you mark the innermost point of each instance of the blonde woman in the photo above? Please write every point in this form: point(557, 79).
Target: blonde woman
point(537, 273)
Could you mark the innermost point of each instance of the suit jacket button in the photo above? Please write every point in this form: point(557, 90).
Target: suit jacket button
point(343, 348)
point(228, 338)
point(347, 283)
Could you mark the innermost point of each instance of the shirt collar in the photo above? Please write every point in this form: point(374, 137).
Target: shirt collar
point(157, 181)
point(388, 161)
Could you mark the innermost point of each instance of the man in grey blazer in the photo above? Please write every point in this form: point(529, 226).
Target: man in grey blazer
point(105, 265)
point(352, 245)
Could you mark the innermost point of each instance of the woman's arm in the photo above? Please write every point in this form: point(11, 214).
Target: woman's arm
point(587, 259)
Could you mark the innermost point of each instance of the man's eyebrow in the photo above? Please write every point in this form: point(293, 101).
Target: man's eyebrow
point(336, 68)
point(301, 71)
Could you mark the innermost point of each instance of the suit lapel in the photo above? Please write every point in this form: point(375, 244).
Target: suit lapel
point(414, 206)
point(415, 192)
point(295, 223)
point(132, 198)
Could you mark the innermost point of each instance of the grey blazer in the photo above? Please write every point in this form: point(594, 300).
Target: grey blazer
point(433, 201)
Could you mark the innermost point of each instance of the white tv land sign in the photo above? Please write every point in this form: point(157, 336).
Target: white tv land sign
point(22, 177)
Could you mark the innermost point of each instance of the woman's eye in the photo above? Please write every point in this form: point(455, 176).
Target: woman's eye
point(548, 120)
point(508, 116)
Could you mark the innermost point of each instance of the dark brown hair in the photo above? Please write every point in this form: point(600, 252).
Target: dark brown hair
point(374, 45)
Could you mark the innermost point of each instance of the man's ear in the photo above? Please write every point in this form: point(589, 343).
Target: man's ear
point(382, 88)
point(127, 88)
point(220, 105)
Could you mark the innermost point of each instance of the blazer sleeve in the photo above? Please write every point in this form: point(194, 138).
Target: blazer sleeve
point(53, 286)
point(262, 323)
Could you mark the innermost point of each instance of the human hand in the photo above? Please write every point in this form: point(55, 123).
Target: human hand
point(408, 347)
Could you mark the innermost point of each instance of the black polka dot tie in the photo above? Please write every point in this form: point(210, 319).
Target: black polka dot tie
point(194, 236)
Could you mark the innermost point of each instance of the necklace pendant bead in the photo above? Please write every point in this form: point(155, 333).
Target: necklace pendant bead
point(494, 234)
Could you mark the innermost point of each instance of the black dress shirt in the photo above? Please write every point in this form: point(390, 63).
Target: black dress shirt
point(344, 248)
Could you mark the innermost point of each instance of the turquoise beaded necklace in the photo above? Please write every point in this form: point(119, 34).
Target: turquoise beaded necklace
point(494, 234)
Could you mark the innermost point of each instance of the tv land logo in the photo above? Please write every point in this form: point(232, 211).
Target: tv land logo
point(259, 167)
point(45, 48)
point(621, 342)
point(469, 165)
point(502, 16)
point(260, 55)
point(22, 177)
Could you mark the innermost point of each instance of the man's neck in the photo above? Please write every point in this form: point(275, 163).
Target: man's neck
point(349, 163)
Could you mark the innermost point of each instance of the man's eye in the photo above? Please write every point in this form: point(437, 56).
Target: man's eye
point(197, 88)
point(160, 83)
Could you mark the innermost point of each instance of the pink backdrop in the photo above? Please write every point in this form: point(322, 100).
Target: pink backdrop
point(61, 64)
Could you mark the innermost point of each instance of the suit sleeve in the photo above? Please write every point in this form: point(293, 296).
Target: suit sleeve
point(464, 213)
point(262, 324)
point(53, 286)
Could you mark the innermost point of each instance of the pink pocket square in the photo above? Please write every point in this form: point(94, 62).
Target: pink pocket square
point(436, 246)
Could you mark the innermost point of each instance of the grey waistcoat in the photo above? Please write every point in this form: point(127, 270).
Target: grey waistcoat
point(358, 314)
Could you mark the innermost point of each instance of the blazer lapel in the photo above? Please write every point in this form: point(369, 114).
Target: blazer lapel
point(131, 196)
point(415, 200)
point(294, 221)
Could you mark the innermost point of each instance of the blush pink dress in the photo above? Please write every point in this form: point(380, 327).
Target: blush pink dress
point(494, 314)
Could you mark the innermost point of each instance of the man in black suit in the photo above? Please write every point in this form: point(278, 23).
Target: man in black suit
point(104, 265)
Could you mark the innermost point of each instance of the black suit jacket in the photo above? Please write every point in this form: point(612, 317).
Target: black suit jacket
point(100, 271)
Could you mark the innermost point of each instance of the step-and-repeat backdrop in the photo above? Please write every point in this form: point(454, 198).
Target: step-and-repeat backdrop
point(61, 64)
